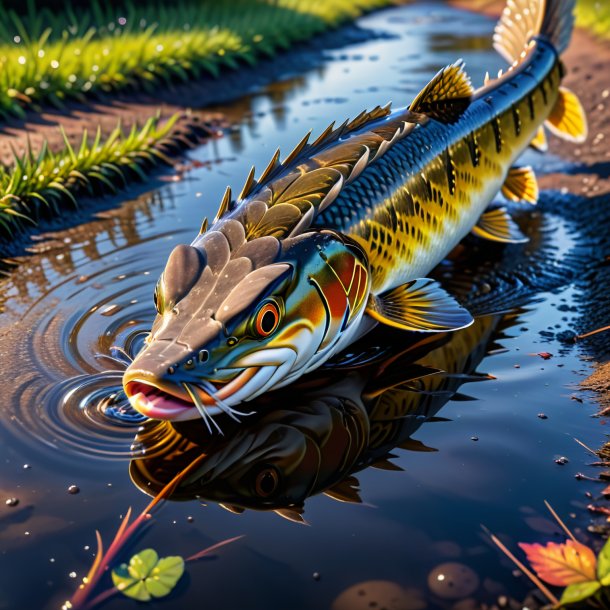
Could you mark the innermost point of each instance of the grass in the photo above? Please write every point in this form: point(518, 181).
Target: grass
point(49, 59)
point(594, 15)
point(47, 183)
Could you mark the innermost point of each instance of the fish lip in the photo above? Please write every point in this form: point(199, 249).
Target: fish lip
point(172, 401)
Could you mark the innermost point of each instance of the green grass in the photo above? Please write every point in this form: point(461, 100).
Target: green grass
point(594, 15)
point(47, 184)
point(49, 59)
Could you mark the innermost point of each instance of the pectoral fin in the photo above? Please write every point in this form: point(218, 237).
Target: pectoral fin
point(420, 305)
point(539, 142)
point(497, 225)
point(521, 185)
point(567, 119)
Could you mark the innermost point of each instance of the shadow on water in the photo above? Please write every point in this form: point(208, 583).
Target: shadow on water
point(76, 310)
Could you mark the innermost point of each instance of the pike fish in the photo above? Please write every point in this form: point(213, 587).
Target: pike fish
point(341, 234)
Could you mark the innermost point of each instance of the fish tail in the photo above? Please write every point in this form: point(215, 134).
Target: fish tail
point(521, 22)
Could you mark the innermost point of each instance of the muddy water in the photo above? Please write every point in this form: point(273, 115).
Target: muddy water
point(74, 313)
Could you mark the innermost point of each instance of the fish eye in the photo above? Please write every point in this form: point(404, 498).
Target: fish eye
point(267, 481)
point(267, 319)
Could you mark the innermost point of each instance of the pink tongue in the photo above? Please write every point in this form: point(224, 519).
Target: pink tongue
point(156, 405)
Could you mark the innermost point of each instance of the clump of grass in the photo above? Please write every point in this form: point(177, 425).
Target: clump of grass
point(48, 183)
point(48, 59)
point(594, 15)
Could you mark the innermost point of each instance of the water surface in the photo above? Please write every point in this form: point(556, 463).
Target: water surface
point(72, 310)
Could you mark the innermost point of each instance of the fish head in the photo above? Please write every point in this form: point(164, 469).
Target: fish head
point(233, 322)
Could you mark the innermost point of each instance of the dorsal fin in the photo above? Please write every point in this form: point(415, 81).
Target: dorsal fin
point(446, 96)
point(224, 204)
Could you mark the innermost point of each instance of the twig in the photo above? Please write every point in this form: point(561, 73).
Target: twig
point(124, 533)
point(563, 526)
point(593, 332)
point(587, 448)
point(522, 567)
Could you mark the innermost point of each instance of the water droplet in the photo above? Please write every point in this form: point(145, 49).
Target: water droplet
point(316, 575)
point(542, 416)
point(26, 466)
point(73, 489)
point(72, 575)
point(474, 438)
point(12, 501)
point(561, 460)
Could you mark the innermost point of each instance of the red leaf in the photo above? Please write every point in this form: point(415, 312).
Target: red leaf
point(562, 564)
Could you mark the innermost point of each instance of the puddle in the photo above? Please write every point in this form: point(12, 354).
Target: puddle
point(74, 313)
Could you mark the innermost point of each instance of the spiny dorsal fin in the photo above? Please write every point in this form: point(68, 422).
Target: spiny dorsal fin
point(521, 185)
point(294, 514)
point(446, 96)
point(271, 166)
point(204, 226)
point(224, 204)
point(296, 151)
point(345, 491)
point(232, 508)
point(497, 225)
point(385, 464)
point(567, 119)
point(412, 444)
point(539, 142)
point(366, 116)
point(248, 185)
point(421, 305)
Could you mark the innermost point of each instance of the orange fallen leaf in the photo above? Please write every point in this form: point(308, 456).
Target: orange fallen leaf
point(562, 564)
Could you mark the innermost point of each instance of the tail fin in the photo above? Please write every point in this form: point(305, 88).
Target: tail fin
point(523, 19)
point(554, 20)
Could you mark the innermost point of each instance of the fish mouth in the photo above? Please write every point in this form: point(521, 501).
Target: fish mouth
point(159, 399)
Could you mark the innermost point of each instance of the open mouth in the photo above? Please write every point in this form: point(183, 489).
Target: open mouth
point(162, 400)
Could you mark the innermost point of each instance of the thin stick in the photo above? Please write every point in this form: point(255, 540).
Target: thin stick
point(593, 332)
point(563, 526)
point(212, 548)
point(125, 532)
point(587, 448)
point(522, 567)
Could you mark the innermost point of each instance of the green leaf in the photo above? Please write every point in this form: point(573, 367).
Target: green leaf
point(128, 585)
point(142, 564)
point(579, 592)
point(603, 565)
point(165, 575)
point(147, 576)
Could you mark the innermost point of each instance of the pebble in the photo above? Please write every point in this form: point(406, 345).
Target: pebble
point(316, 575)
point(73, 489)
point(474, 438)
point(72, 575)
point(190, 519)
point(542, 416)
point(26, 466)
point(12, 501)
point(561, 461)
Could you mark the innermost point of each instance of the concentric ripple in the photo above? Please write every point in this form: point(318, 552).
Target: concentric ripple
point(79, 314)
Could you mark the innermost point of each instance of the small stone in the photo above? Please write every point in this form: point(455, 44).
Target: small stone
point(517, 366)
point(561, 460)
point(316, 575)
point(73, 489)
point(26, 466)
point(474, 438)
point(542, 416)
point(72, 575)
point(12, 501)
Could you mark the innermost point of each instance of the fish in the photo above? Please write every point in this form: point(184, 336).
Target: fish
point(339, 423)
point(342, 234)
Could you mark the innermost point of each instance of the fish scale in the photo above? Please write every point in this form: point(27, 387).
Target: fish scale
point(341, 235)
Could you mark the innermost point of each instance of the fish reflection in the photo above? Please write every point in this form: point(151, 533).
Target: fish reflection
point(342, 419)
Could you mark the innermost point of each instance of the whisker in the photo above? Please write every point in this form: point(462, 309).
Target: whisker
point(207, 418)
point(232, 413)
point(121, 350)
point(112, 358)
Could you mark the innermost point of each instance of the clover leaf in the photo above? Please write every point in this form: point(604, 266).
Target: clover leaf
point(147, 576)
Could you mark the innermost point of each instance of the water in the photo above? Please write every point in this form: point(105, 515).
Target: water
point(74, 313)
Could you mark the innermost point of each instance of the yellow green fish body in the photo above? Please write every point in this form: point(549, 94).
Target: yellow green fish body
point(342, 233)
